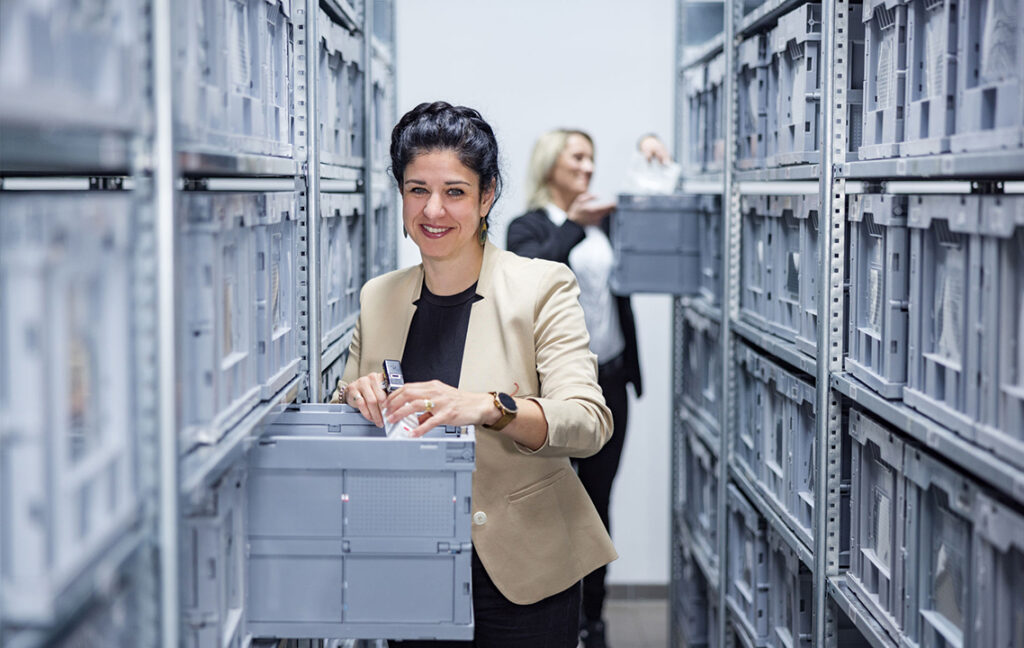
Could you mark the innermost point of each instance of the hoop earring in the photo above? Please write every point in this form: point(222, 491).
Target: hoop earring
point(483, 232)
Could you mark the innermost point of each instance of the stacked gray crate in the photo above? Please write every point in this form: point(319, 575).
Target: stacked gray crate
point(879, 291)
point(752, 108)
point(998, 588)
point(714, 131)
point(748, 581)
point(788, 259)
point(386, 220)
point(877, 502)
point(751, 400)
point(709, 231)
point(932, 61)
point(341, 71)
point(355, 535)
point(790, 605)
point(700, 377)
point(213, 564)
point(756, 262)
point(1002, 362)
point(990, 79)
point(694, 80)
point(795, 48)
point(342, 262)
point(702, 509)
point(809, 215)
point(885, 72)
point(691, 605)
point(656, 244)
point(67, 435)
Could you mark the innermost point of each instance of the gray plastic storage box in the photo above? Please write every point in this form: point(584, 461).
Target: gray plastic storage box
point(694, 82)
point(213, 558)
point(810, 224)
point(790, 605)
point(714, 93)
point(73, 64)
point(710, 232)
point(341, 68)
point(386, 218)
point(945, 310)
point(752, 97)
point(702, 368)
point(277, 292)
point(877, 502)
point(784, 247)
point(68, 463)
point(885, 78)
point(998, 588)
point(1002, 360)
point(657, 245)
point(795, 50)
point(751, 402)
point(702, 503)
point(383, 113)
point(342, 266)
point(932, 63)
point(217, 332)
point(748, 581)
point(939, 575)
point(691, 604)
point(990, 85)
point(879, 291)
point(756, 262)
point(354, 535)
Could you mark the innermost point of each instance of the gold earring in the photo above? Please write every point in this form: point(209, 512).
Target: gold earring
point(483, 231)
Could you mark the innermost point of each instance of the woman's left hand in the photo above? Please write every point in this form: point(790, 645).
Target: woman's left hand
point(440, 404)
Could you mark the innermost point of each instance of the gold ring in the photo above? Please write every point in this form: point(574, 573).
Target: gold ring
point(357, 396)
point(428, 405)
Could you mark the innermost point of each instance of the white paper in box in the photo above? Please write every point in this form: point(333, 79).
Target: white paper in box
point(933, 60)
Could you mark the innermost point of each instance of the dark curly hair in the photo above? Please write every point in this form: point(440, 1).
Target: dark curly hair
point(442, 126)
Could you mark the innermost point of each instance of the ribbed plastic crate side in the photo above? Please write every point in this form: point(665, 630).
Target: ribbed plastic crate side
point(885, 68)
point(939, 523)
point(756, 262)
point(277, 297)
point(217, 336)
point(879, 291)
point(1002, 364)
point(691, 608)
point(796, 53)
point(72, 64)
point(342, 70)
point(998, 587)
point(877, 501)
point(714, 155)
point(200, 71)
point(342, 262)
point(807, 337)
point(784, 248)
point(68, 464)
point(694, 81)
point(748, 581)
point(279, 73)
point(656, 245)
point(701, 381)
point(709, 230)
point(383, 113)
point(945, 328)
point(790, 605)
point(754, 405)
point(795, 433)
point(386, 218)
point(752, 98)
point(213, 565)
point(932, 63)
point(990, 89)
point(702, 503)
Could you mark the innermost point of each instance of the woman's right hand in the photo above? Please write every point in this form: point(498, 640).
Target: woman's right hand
point(367, 395)
point(586, 210)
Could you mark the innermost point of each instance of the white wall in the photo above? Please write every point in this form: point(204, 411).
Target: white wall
point(605, 66)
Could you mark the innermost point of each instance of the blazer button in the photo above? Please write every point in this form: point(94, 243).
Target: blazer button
point(479, 518)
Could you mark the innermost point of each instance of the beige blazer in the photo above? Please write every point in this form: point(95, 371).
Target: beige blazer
point(534, 527)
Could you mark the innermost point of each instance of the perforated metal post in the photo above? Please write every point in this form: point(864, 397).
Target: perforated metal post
point(312, 172)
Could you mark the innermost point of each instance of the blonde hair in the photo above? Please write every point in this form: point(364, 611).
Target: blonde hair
point(545, 153)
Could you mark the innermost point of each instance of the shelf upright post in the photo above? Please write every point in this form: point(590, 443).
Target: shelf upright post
point(312, 173)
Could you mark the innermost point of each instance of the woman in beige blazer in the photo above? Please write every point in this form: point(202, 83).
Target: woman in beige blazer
point(490, 339)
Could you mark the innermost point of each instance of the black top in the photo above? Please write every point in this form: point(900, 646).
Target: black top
point(437, 336)
point(534, 235)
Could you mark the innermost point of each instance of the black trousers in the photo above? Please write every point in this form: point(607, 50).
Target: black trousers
point(598, 472)
point(499, 623)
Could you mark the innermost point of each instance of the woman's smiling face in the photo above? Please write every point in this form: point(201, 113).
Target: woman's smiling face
point(442, 205)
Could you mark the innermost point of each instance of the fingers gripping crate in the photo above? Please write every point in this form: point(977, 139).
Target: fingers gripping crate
point(213, 565)
point(877, 543)
point(879, 291)
point(885, 69)
point(710, 233)
point(656, 244)
point(702, 503)
point(790, 605)
point(998, 587)
point(67, 454)
point(701, 381)
point(748, 581)
point(932, 62)
point(810, 225)
point(990, 85)
point(277, 305)
point(217, 338)
point(341, 68)
point(342, 267)
point(352, 534)
point(945, 312)
point(756, 262)
point(1002, 366)
point(694, 83)
point(795, 49)
point(72, 64)
point(753, 97)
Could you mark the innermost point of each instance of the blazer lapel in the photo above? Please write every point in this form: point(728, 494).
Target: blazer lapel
point(480, 334)
point(394, 322)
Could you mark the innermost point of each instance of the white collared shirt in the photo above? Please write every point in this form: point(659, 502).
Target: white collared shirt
point(591, 260)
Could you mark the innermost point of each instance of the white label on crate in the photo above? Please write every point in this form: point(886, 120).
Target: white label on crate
point(875, 297)
point(999, 41)
point(885, 79)
point(949, 296)
point(934, 48)
point(880, 538)
point(948, 560)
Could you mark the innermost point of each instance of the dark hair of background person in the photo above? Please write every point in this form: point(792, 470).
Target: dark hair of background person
point(442, 126)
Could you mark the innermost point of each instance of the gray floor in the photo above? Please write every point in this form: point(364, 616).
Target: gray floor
point(638, 623)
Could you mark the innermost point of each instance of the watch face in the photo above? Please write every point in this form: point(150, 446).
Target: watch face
point(507, 401)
